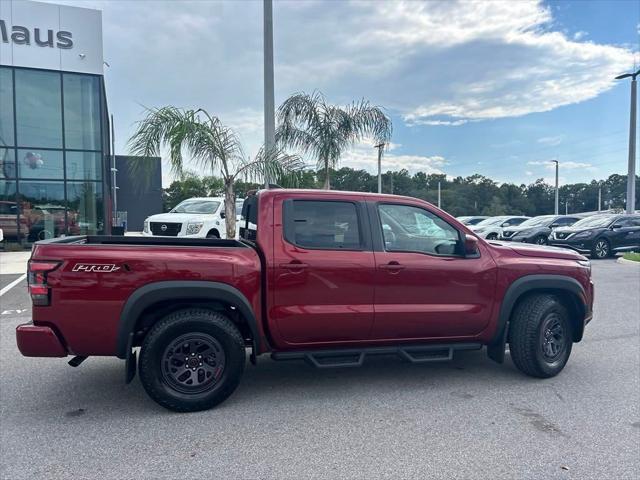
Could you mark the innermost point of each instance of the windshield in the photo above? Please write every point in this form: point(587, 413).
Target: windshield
point(538, 221)
point(196, 206)
point(491, 221)
point(595, 221)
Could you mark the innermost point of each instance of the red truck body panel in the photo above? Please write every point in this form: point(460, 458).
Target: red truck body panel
point(86, 306)
point(337, 298)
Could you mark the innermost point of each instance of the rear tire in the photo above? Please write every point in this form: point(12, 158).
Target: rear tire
point(192, 360)
point(492, 236)
point(601, 249)
point(540, 336)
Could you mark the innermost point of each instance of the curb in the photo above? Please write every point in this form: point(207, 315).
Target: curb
point(628, 262)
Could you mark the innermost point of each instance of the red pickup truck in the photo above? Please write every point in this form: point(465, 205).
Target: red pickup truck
point(323, 276)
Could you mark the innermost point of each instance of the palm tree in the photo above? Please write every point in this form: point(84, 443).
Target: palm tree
point(212, 145)
point(313, 126)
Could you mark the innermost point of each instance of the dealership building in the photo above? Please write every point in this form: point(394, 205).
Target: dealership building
point(57, 171)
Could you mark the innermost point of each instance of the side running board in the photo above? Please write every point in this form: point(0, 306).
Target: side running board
point(355, 357)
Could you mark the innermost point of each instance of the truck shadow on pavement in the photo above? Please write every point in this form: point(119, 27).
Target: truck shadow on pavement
point(98, 385)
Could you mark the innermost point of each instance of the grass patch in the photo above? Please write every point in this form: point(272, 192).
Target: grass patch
point(633, 256)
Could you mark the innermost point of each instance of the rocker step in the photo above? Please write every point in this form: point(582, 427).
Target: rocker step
point(354, 357)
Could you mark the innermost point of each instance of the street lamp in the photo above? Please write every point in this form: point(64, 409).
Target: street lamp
point(380, 146)
point(555, 211)
point(631, 173)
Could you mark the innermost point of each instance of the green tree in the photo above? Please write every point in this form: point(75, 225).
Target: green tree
point(313, 126)
point(212, 145)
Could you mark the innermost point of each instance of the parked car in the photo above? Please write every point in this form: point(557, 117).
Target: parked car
point(471, 220)
point(600, 236)
point(491, 228)
point(331, 278)
point(537, 229)
point(192, 218)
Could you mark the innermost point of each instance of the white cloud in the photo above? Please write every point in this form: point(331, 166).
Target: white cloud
point(363, 156)
point(432, 63)
point(568, 165)
point(580, 35)
point(551, 141)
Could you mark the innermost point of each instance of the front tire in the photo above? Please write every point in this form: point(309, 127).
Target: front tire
point(492, 236)
point(540, 336)
point(601, 249)
point(192, 360)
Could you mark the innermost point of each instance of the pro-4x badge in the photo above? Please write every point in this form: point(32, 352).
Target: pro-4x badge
point(95, 267)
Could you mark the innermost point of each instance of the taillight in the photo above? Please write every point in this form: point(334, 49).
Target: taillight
point(37, 280)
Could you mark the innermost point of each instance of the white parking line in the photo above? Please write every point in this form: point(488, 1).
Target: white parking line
point(13, 284)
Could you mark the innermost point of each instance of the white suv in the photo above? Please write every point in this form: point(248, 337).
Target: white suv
point(491, 228)
point(192, 218)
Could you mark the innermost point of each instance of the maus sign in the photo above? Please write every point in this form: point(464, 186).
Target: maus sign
point(21, 35)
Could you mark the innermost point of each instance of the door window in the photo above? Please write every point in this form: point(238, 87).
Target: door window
point(412, 229)
point(565, 221)
point(323, 225)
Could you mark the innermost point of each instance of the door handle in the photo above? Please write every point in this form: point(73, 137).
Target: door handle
point(392, 267)
point(294, 265)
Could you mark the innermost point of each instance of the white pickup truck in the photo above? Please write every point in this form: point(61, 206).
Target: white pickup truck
point(192, 218)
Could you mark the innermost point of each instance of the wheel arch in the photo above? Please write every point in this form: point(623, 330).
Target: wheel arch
point(172, 295)
point(568, 290)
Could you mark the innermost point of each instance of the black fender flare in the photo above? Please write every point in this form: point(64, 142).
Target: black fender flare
point(520, 287)
point(145, 296)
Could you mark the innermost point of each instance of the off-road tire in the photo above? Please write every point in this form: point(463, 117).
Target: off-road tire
point(527, 338)
point(598, 253)
point(193, 321)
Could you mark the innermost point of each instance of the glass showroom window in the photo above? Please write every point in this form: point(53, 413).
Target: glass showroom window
point(81, 112)
point(84, 166)
point(7, 163)
point(6, 109)
point(42, 209)
point(84, 202)
point(9, 210)
point(40, 164)
point(38, 109)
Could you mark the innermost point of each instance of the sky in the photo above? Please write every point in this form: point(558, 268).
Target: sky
point(491, 87)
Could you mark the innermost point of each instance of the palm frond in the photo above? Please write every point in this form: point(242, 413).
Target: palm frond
point(274, 164)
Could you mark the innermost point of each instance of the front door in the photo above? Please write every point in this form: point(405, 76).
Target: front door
point(324, 270)
point(425, 287)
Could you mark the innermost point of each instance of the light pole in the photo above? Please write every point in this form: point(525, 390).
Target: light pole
point(600, 183)
point(380, 146)
point(269, 97)
point(439, 197)
point(555, 211)
point(631, 173)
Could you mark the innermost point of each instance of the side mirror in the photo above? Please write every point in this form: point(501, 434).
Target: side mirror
point(471, 247)
point(223, 215)
point(505, 224)
point(554, 225)
point(616, 225)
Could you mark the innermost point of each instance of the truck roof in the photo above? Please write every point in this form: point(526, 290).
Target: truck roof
point(332, 193)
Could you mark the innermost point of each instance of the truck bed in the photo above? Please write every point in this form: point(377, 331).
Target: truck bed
point(140, 240)
point(98, 274)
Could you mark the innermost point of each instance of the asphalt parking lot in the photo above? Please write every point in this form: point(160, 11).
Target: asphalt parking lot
point(469, 418)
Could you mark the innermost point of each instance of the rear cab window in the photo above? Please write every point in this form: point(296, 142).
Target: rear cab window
point(323, 224)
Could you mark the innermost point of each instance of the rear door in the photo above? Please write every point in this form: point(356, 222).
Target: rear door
point(628, 232)
point(425, 287)
point(324, 271)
